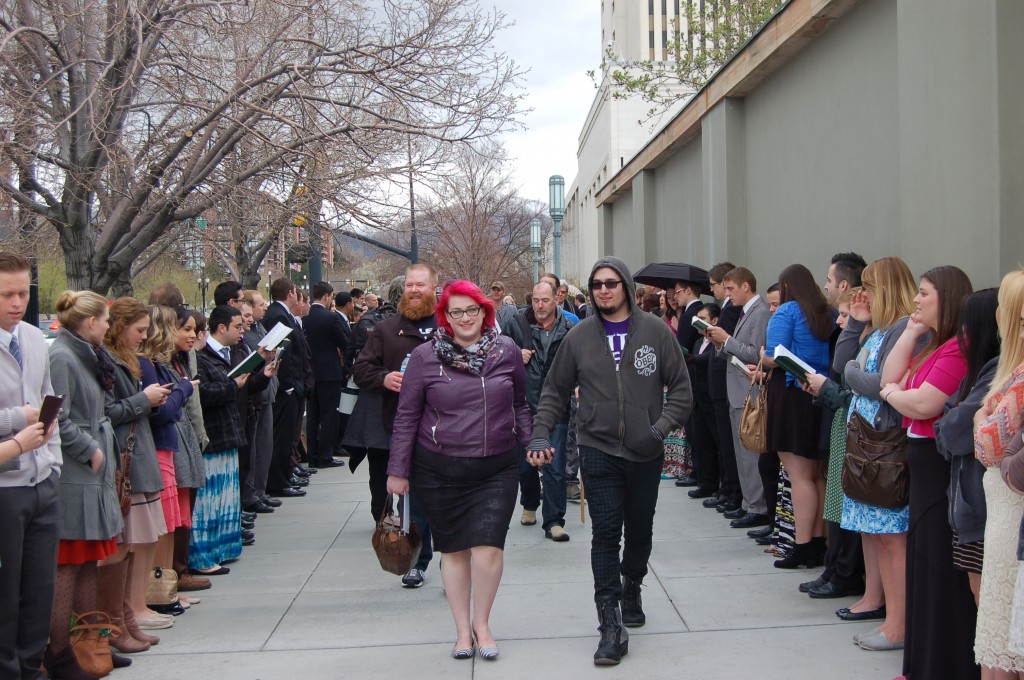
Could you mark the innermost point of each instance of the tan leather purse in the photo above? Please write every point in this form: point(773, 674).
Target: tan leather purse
point(90, 643)
point(754, 419)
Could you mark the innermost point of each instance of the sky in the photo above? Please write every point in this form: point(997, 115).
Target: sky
point(556, 42)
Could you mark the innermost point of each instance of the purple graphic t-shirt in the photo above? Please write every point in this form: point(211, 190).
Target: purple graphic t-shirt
point(616, 331)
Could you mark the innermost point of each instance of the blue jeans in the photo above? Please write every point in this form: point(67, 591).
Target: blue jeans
point(553, 511)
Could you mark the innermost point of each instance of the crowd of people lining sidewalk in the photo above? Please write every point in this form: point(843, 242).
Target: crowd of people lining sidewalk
point(470, 404)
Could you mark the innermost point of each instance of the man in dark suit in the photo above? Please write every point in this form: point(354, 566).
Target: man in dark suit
point(704, 431)
point(327, 340)
point(290, 374)
point(729, 496)
point(687, 297)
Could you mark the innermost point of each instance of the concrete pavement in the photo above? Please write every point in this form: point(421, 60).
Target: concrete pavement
point(310, 601)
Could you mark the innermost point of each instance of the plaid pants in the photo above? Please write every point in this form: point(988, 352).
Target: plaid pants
point(621, 496)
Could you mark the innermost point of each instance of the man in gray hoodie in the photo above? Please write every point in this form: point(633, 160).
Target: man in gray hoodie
point(623, 360)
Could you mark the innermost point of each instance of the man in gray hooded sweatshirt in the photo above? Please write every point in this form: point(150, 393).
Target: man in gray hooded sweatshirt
point(623, 359)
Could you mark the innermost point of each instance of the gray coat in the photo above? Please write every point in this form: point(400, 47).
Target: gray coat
point(189, 466)
point(127, 404)
point(954, 438)
point(88, 502)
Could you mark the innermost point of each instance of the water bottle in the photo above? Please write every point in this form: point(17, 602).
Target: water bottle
point(405, 362)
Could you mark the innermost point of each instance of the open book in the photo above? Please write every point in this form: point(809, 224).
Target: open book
point(792, 364)
point(272, 339)
point(699, 323)
point(742, 366)
point(250, 364)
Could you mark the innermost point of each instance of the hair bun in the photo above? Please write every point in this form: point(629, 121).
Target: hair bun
point(66, 300)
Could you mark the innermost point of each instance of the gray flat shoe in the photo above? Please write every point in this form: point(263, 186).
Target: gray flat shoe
point(858, 636)
point(877, 642)
point(466, 653)
point(489, 653)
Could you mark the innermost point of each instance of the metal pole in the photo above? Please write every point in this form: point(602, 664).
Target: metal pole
point(536, 265)
point(558, 247)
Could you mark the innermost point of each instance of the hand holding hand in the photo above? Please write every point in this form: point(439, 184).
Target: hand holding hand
point(393, 381)
point(398, 485)
point(539, 452)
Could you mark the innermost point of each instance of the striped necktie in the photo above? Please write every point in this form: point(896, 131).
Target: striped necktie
point(15, 350)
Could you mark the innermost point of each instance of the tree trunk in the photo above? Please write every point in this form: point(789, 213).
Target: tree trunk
point(123, 285)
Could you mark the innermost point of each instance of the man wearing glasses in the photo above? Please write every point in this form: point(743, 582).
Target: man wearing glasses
point(633, 388)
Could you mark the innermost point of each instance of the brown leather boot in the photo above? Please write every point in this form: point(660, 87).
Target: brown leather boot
point(111, 580)
point(129, 614)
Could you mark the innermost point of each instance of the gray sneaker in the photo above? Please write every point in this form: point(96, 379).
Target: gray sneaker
point(413, 578)
point(572, 492)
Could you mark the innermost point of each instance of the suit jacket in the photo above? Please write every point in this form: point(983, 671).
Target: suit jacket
point(290, 371)
point(700, 364)
point(252, 339)
point(20, 386)
point(727, 321)
point(745, 344)
point(686, 333)
point(325, 334)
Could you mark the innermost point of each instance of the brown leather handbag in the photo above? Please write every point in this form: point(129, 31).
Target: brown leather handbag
point(753, 428)
point(90, 642)
point(875, 466)
point(123, 476)
point(396, 540)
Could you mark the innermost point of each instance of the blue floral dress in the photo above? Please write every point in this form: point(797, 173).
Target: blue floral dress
point(857, 516)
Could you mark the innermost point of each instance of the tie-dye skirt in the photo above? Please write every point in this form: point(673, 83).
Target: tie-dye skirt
point(216, 534)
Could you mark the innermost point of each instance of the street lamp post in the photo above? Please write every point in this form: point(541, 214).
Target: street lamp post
point(556, 208)
point(204, 285)
point(535, 245)
point(270, 282)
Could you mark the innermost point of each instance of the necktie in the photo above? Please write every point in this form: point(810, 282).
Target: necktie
point(15, 350)
point(226, 353)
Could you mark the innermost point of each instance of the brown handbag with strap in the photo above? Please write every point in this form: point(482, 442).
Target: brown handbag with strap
point(753, 428)
point(90, 642)
point(875, 467)
point(396, 540)
point(123, 476)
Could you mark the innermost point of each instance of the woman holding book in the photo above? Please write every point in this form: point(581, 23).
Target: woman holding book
point(940, 606)
point(802, 325)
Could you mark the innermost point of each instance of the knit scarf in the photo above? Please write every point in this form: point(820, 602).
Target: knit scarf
point(469, 359)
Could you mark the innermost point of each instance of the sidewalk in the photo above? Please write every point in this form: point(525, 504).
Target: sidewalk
point(310, 601)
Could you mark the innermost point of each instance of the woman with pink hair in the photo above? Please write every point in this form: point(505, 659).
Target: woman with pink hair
point(462, 418)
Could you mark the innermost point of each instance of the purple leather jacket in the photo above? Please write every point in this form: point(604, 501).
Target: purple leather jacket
point(456, 413)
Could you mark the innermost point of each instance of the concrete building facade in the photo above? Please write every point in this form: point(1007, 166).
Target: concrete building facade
point(885, 127)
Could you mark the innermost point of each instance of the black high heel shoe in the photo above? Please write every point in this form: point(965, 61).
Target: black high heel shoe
point(804, 554)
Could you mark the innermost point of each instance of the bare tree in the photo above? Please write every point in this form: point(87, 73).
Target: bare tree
point(475, 225)
point(125, 119)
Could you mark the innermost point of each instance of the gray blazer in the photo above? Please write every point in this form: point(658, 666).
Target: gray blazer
point(88, 502)
point(20, 386)
point(127, 404)
point(745, 344)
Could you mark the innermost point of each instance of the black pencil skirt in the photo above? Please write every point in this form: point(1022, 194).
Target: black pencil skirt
point(468, 501)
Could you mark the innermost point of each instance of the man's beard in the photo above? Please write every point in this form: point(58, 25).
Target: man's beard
point(414, 310)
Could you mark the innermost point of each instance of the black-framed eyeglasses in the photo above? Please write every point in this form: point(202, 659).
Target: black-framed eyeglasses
point(468, 311)
point(610, 284)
